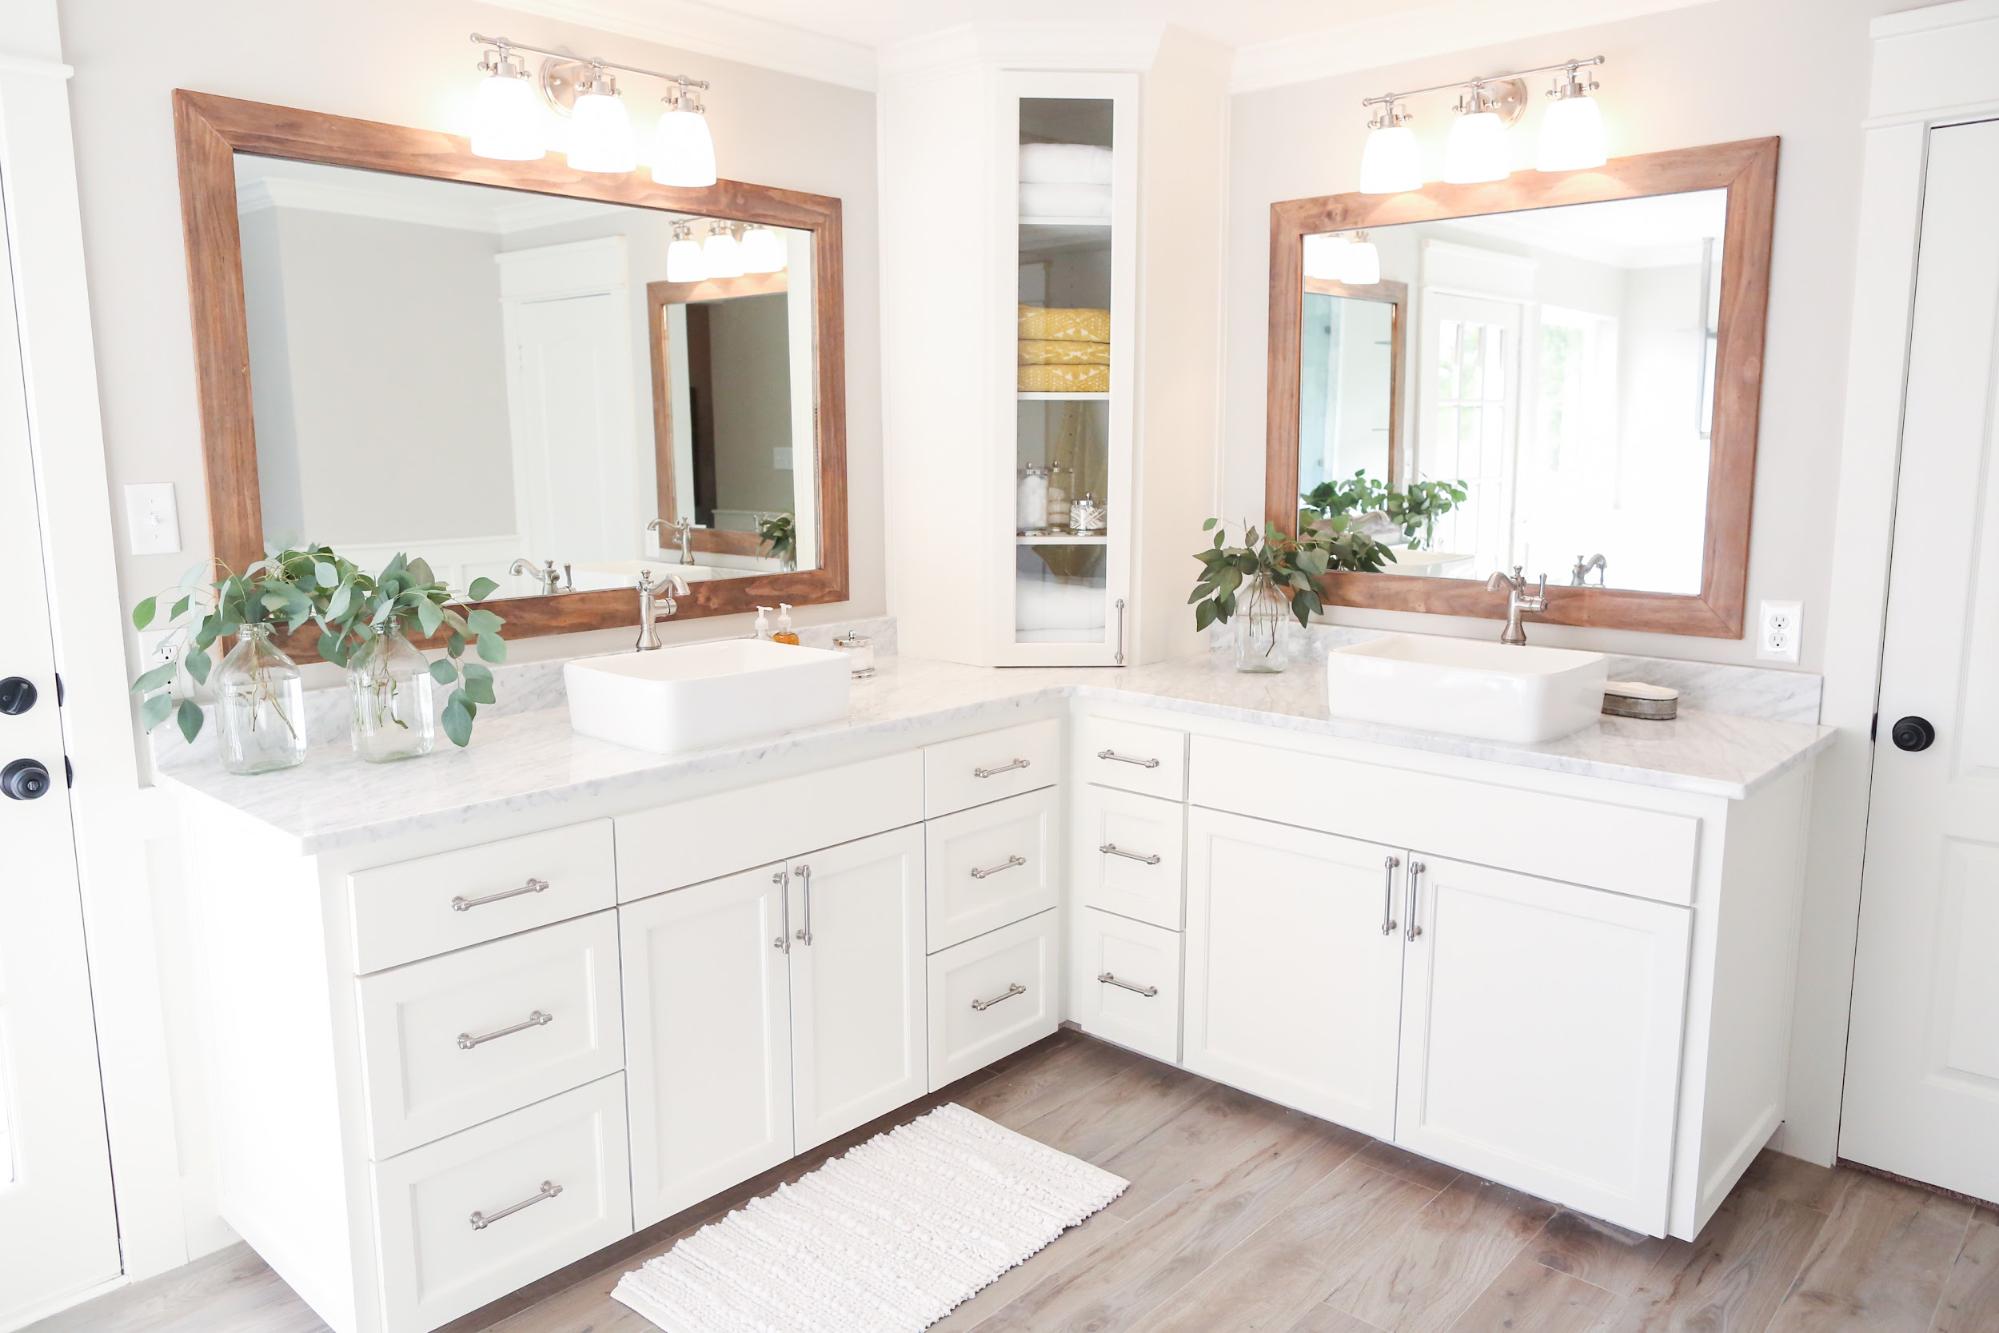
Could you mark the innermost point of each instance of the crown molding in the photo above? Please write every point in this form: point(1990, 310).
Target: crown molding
point(1039, 46)
point(1431, 30)
point(713, 31)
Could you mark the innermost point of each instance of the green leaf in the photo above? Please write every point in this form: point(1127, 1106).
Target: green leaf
point(142, 614)
point(458, 718)
point(180, 608)
point(336, 605)
point(420, 572)
point(428, 617)
point(483, 621)
point(444, 671)
point(162, 674)
point(455, 645)
point(482, 588)
point(188, 715)
point(325, 575)
point(154, 711)
point(479, 689)
point(1209, 525)
point(492, 648)
point(1205, 615)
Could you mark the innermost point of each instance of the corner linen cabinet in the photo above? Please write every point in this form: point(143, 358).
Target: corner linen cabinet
point(769, 1011)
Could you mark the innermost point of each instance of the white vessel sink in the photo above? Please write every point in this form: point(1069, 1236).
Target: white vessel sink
point(1468, 687)
point(699, 695)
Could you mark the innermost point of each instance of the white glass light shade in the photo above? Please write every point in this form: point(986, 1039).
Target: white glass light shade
point(1477, 149)
point(1360, 264)
point(600, 134)
point(684, 262)
point(762, 251)
point(507, 119)
point(1392, 162)
point(1322, 256)
point(683, 152)
point(1571, 136)
point(720, 253)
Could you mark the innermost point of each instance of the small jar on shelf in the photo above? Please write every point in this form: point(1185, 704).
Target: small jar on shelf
point(1031, 512)
point(1060, 482)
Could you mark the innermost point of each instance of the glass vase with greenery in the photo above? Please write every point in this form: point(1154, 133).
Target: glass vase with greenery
point(1272, 576)
point(778, 533)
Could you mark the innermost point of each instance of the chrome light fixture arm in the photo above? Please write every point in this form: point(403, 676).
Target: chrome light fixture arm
point(504, 45)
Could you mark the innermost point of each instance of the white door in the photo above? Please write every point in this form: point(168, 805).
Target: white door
point(1293, 966)
point(58, 1233)
point(1922, 1078)
point(858, 1013)
point(707, 1038)
point(1470, 395)
point(1541, 1028)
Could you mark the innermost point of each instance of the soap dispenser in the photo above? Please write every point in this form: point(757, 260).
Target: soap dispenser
point(763, 622)
point(785, 633)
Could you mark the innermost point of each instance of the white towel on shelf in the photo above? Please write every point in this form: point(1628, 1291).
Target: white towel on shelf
point(1065, 163)
point(1040, 200)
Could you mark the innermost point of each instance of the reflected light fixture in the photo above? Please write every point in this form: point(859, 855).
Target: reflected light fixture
point(600, 134)
point(1477, 149)
point(1360, 262)
point(507, 119)
point(1392, 161)
point(762, 250)
point(683, 150)
point(720, 254)
point(1572, 130)
point(683, 255)
point(1322, 256)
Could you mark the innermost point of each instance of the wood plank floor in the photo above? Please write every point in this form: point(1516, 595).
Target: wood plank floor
point(1243, 1215)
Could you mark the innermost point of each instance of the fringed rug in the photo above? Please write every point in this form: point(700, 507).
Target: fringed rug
point(893, 1235)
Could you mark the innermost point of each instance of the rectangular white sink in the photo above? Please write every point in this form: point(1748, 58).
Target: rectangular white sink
point(699, 695)
point(1468, 687)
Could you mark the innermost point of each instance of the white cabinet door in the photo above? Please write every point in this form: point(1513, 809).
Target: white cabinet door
point(857, 983)
point(708, 1038)
point(1541, 1028)
point(1292, 980)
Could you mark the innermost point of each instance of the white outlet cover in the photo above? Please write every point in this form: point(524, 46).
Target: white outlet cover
point(152, 518)
point(1779, 628)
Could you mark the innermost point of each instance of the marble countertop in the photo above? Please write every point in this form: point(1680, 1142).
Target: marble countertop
point(529, 760)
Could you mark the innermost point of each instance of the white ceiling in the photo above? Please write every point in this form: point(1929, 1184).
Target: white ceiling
point(1236, 23)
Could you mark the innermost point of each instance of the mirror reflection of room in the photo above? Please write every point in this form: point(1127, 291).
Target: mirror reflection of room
point(1531, 388)
point(564, 393)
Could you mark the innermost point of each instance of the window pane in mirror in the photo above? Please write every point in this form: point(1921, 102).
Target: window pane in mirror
point(1560, 366)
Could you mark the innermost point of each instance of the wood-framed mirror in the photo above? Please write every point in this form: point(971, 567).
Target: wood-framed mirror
point(1573, 386)
point(401, 346)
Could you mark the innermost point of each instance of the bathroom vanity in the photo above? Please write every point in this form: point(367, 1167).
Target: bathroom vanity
point(475, 1017)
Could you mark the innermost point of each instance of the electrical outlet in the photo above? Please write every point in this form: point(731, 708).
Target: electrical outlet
point(1778, 631)
point(152, 519)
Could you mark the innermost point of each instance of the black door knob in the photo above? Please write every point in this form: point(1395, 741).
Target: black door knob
point(17, 695)
point(1914, 733)
point(24, 780)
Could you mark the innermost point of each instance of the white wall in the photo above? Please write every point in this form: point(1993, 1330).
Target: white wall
point(1707, 74)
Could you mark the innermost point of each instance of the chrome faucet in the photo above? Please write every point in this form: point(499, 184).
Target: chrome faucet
point(1518, 599)
point(655, 606)
point(547, 577)
point(683, 532)
point(1579, 576)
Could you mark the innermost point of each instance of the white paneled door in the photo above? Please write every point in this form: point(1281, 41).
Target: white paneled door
point(1922, 1079)
point(58, 1234)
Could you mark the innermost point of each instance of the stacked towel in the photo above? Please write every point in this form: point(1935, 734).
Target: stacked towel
point(1065, 180)
point(1065, 379)
point(1064, 350)
point(1052, 323)
point(1052, 352)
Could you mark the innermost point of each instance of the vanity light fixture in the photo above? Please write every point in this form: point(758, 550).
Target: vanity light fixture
point(509, 127)
point(762, 250)
point(683, 255)
point(1572, 129)
point(1322, 256)
point(1392, 161)
point(1360, 262)
point(720, 254)
point(1479, 148)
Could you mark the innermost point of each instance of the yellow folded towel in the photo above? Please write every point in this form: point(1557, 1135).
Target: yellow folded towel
point(1042, 323)
point(1065, 379)
point(1054, 352)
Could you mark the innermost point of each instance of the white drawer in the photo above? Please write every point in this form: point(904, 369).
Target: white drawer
point(1132, 755)
point(1128, 853)
point(712, 836)
point(995, 764)
point(467, 1219)
point(990, 866)
point(413, 909)
point(993, 995)
point(451, 1041)
point(1124, 983)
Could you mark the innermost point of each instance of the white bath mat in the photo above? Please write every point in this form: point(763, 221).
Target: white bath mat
point(893, 1235)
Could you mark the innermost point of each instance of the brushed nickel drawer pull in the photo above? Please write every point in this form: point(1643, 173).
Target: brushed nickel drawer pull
point(464, 904)
point(782, 879)
point(1008, 864)
point(1127, 759)
point(1003, 768)
point(1112, 849)
point(537, 1019)
point(804, 933)
point(1015, 989)
point(549, 1189)
point(1389, 865)
point(1414, 927)
point(1111, 979)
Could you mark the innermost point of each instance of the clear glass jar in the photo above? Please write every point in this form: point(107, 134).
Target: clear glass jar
point(1032, 510)
point(1259, 622)
point(390, 685)
point(261, 704)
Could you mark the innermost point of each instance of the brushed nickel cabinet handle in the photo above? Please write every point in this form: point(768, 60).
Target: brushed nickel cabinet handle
point(464, 904)
point(1111, 979)
point(1015, 989)
point(979, 872)
point(999, 769)
point(1388, 868)
point(537, 1019)
point(549, 1189)
point(782, 878)
point(1115, 757)
point(804, 935)
point(1416, 869)
point(1112, 849)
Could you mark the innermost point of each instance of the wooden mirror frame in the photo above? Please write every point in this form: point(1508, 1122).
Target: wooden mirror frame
point(1748, 171)
point(210, 130)
point(1394, 295)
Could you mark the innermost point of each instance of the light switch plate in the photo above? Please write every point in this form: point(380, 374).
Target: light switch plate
point(152, 518)
point(1778, 629)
